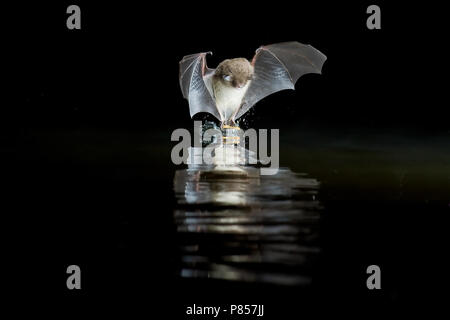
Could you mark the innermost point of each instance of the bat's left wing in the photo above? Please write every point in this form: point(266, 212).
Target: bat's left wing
point(278, 67)
point(193, 75)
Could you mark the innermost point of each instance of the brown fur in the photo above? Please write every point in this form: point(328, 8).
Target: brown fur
point(239, 69)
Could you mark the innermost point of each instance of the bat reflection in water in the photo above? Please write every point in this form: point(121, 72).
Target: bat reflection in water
point(231, 89)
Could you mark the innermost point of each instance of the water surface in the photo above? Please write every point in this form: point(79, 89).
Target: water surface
point(248, 227)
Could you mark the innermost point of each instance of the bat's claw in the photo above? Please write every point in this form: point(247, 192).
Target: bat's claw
point(230, 124)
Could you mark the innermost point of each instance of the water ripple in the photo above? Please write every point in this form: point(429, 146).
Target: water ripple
point(241, 226)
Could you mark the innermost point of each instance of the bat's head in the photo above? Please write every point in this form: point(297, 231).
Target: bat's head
point(234, 72)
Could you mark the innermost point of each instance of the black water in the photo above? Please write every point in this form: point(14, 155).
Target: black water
point(148, 234)
point(243, 226)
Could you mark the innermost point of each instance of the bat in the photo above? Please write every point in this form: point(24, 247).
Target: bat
point(236, 85)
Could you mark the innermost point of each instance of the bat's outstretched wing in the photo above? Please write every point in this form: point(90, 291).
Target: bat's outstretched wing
point(277, 67)
point(193, 82)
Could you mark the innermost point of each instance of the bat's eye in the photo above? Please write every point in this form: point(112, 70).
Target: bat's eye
point(227, 77)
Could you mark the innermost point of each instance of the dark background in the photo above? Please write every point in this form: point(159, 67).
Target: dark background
point(121, 69)
point(86, 150)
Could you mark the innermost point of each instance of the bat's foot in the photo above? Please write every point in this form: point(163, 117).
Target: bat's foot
point(229, 124)
point(230, 132)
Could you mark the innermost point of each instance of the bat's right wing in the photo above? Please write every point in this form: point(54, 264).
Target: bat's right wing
point(193, 71)
point(278, 67)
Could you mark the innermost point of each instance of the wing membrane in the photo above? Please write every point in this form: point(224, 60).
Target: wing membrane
point(192, 71)
point(278, 67)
